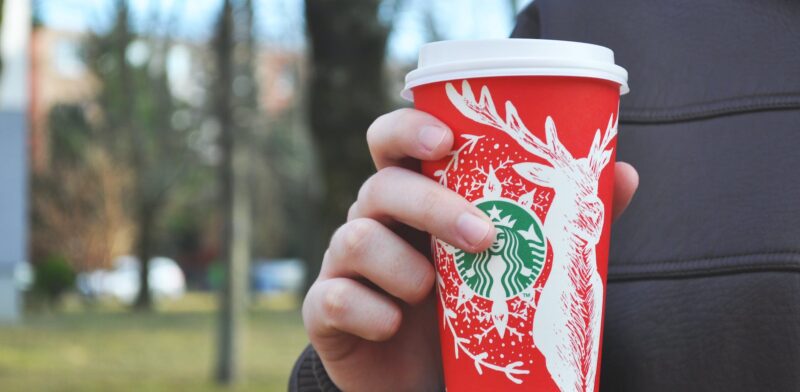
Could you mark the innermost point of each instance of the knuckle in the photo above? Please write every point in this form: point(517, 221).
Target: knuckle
point(312, 301)
point(367, 189)
point(351, 212)
point(307, 305)
point(390, 173)
point(377, 184)
point(326, 264)
point(381, 124)
point(408, 116)
point(335, 303)
point(351, 239)
point(386, 177)
point(374, 129)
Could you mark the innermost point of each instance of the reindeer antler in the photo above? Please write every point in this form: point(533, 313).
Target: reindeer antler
point(483, 111)
point(599, 156)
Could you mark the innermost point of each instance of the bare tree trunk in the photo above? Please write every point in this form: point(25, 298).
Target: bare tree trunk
point(152, 191)
point(237, 251)
point(234, 202)
point(347, 92)
point(144, 218)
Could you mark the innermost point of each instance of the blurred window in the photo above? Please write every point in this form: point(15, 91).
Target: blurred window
point(285, 85)
point(67, 59)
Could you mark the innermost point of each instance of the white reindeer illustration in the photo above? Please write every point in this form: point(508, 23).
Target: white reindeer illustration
point(566, 327)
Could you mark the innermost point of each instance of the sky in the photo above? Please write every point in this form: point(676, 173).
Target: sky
point(14, 36)
point(281, 21)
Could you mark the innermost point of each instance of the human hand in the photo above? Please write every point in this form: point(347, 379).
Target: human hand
point(371, 314)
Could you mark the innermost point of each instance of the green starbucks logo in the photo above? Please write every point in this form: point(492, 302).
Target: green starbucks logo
point(515, 259)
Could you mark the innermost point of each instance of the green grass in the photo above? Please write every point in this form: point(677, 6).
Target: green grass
point(106, 348)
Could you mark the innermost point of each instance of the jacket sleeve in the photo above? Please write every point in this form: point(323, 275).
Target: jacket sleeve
point(309, 375)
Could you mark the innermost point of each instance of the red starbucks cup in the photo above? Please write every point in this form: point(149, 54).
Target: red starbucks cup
point(535, 125)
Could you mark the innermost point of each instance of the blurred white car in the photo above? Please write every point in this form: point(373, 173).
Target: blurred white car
point(166, 280)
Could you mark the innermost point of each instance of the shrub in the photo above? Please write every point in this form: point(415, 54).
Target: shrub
point(53, 276)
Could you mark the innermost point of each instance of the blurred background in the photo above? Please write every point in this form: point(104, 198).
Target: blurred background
point(202, 149)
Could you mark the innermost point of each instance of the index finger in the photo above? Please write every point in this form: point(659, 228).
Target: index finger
point(404, 135)
point(400, 195)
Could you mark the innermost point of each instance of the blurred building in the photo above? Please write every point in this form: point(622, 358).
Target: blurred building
point(58, 76)
point(280, 73)
point(13, 172)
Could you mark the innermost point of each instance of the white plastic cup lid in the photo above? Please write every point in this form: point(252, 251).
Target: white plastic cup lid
point(451, 60)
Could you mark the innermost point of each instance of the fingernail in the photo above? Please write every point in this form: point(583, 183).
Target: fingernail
point(473, 229)
point(431, 136)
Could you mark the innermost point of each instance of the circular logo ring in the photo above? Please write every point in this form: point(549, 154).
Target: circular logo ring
point(516, 258)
